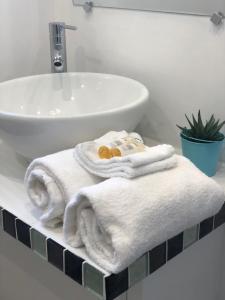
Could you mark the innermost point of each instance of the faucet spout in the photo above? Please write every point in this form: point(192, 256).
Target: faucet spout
point(58, 46)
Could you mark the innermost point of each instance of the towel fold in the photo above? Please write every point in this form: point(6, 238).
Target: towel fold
point(152, 159)
point(119, 220)
point(51, 181)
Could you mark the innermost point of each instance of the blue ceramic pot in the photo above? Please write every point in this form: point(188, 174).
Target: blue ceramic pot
point(205, 155)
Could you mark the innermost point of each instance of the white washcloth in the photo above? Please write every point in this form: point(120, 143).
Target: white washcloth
point(153, 159)
point(119, 219)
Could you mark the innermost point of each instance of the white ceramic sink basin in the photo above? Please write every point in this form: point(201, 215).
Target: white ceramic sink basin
point(43, 114)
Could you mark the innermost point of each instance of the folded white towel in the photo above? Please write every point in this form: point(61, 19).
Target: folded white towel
point(51, 181)
point(151, 160)
point(119, 219)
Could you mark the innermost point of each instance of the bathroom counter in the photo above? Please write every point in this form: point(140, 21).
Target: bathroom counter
point(14, 199)
point(16, 205)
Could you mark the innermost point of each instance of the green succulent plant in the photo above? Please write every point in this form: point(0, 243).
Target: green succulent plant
point(210, 131)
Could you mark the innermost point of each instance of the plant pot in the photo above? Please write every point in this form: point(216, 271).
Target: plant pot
point(189, 138)
point(205, 155)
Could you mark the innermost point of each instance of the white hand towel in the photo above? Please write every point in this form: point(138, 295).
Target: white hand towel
point(119, 219)
point(153, 159)
point(51, 181)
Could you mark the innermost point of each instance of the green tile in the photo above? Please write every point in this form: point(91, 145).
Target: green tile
point(1, 219)
point(190, 236)
point(93, 279)
point(38, 243)
point(138, 270)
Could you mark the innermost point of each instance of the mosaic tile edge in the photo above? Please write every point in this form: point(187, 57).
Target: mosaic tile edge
point(220, 217)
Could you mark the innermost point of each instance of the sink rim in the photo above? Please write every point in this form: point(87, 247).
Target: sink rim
point(143, 97)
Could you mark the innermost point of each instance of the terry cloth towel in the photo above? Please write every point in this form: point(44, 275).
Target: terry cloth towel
point(119, 219)
point(51, 181)
point(151, 160)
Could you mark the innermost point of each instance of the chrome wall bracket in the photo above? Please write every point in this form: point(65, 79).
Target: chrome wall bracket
point(87, 6)
point(217, 18)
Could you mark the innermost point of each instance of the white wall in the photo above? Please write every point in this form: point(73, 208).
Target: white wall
point(24, 37)
point(180, 59)
point(222, 282)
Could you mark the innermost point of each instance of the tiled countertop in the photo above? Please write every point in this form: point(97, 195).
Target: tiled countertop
point(21, 222)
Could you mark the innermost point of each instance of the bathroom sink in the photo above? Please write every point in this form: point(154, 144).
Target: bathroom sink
point(43, 114)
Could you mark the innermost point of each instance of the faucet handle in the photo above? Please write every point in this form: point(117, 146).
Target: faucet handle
point(58, 27)
point(69, 27)
point(57, 31)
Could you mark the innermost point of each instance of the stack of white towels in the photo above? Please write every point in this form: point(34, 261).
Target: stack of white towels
point(121, 207)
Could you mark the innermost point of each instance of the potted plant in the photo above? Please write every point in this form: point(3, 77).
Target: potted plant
point(202, 143)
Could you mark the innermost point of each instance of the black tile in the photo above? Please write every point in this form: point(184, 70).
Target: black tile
point(1, 224)
point(206, 227)
point(9, 223)
point(116, 284)
point(157, 257)
point(220, 217)
point(73, 266)
point(175, 246)
point(23, 232)
point(55, 254)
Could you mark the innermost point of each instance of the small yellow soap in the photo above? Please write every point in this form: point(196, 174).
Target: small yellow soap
point(104, 152)
point(115, 152)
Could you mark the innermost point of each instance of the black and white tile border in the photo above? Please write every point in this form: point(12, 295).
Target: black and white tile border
point(111, 286)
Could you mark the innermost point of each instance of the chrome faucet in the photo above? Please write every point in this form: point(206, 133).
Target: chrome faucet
point(58, 46)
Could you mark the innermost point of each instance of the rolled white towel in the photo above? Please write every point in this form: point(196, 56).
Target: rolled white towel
point(119, 219)
point(152, 159)
point(51, 181)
